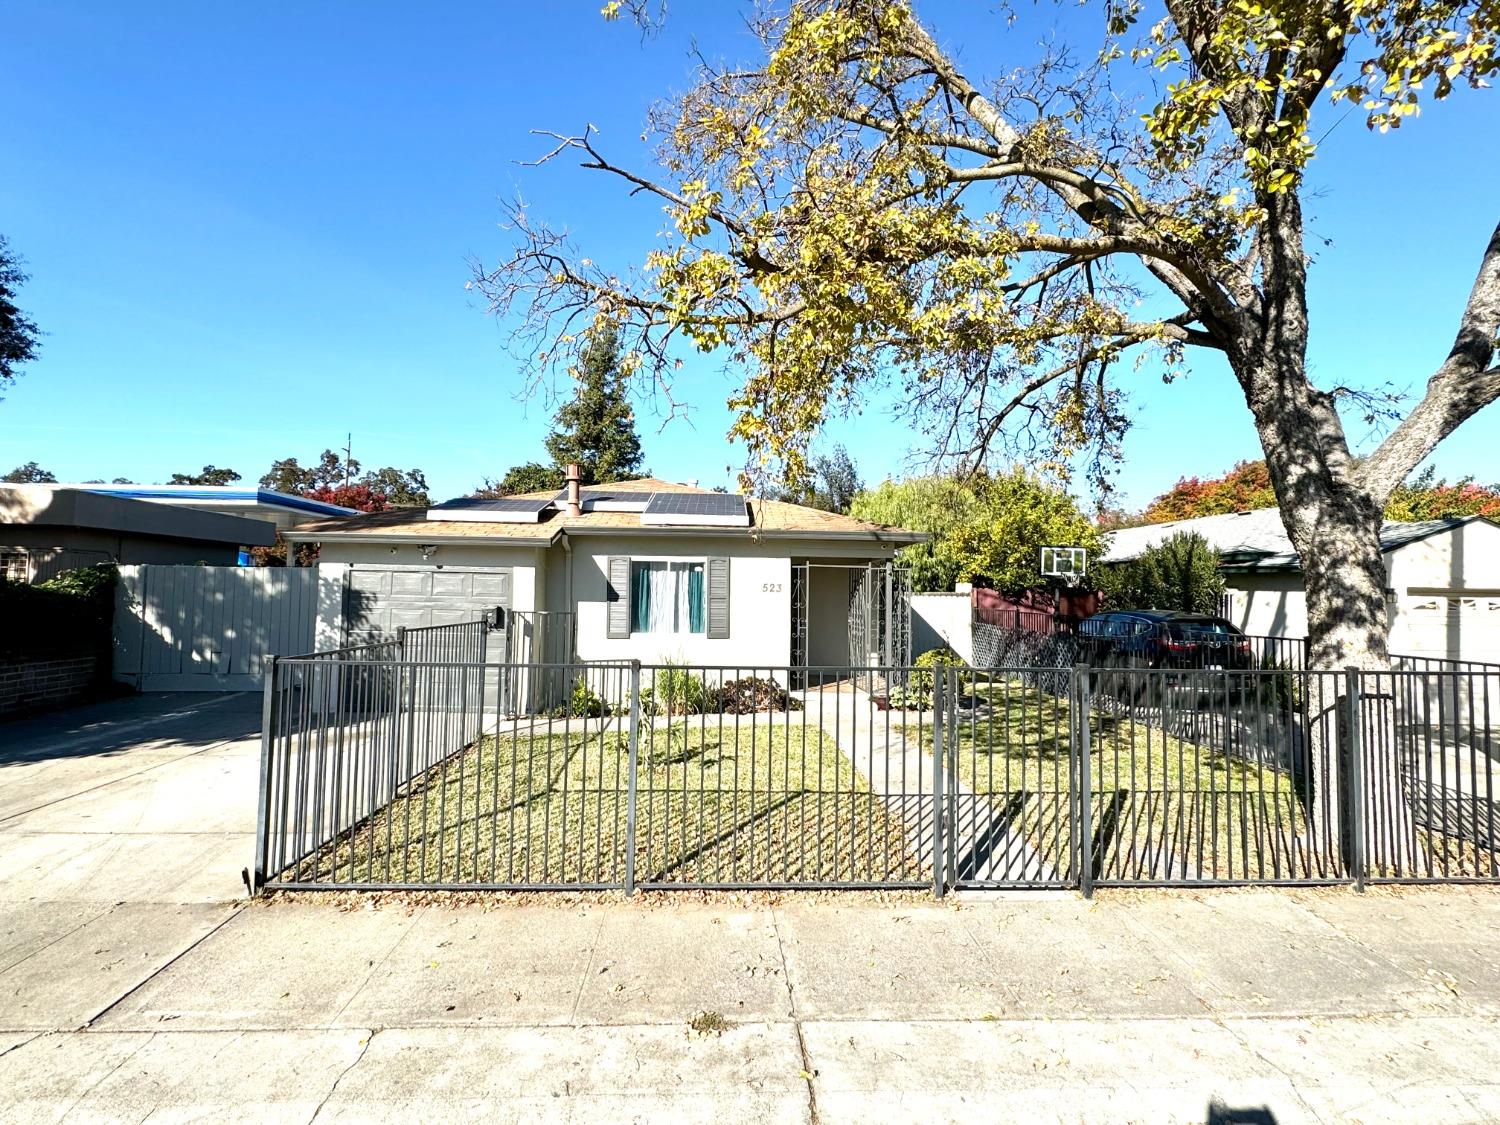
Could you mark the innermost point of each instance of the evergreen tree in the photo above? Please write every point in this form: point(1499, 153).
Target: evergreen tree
point(596, 429)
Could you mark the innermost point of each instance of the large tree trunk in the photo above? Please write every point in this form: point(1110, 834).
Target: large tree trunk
point(1334, 523)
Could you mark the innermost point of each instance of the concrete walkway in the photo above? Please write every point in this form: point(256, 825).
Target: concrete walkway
point(134, 985)
point(892, 752)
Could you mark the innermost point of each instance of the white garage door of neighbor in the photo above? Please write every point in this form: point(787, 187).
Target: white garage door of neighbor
point(1452, 624)
point(379, 599)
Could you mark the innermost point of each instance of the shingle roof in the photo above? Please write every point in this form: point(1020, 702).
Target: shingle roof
point(1255, 540)
point(767, 517)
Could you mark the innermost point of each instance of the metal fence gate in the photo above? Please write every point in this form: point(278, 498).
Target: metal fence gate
point(391, 765)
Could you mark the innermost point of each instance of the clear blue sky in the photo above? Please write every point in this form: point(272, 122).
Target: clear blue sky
point(248, 228)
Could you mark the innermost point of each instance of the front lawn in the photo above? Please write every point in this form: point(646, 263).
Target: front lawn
point(718, 801)
point(1163, 807)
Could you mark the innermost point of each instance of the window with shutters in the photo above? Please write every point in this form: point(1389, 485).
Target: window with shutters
point(666, 597)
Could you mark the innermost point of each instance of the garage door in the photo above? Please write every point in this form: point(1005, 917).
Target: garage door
point(379, 599)
point(1450, 624)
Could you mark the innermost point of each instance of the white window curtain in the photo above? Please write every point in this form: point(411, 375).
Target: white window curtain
point(668, 597)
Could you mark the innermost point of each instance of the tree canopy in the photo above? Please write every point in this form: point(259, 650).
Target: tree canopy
point(210, 475)
point(530, 477)
point(594, 429)
point(29, 473)
point(857, 205)
point(391, 487)
point(832, 482)
point(985, 527)
point(1181, 572)
point(19, 336)
point(1423, 496)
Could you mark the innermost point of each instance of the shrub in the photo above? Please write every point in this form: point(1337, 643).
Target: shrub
point(64, 614)
point(675, 690)
point(742, 697)
point(585, 703)
point(933, 658)
point(910, 698)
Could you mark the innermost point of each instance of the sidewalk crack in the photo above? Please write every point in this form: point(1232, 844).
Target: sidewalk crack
point(364, 1048)
point(809, 1075)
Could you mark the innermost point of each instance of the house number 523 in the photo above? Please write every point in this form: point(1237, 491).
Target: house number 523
point(770, 587)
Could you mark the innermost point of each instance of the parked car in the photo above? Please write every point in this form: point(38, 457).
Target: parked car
point(1163, 639)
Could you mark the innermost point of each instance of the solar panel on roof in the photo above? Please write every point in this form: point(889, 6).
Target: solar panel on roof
point(692, 509)
point(602, 498)
point(504, 510)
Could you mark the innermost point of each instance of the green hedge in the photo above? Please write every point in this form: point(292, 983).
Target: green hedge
point(71, 613)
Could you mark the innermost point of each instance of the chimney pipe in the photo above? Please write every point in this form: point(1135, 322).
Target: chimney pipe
point(575, 504)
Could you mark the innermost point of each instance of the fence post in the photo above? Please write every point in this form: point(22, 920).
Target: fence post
point(1083, 743)
point(1353, 777)
point(939, 746)
point(401, 643)
point(634, 724)
point(256, 877)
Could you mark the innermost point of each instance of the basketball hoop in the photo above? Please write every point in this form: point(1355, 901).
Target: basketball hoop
point(1065, 564)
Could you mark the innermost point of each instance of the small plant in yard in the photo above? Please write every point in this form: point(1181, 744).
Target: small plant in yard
point(584, 703)
point(675, 690)
point(910, 698)
point(934, 658)
point(753, 693)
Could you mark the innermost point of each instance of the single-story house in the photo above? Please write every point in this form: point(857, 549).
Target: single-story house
point(281, 508)
point(645, 569)
point(46, 529)
point(1442, 578)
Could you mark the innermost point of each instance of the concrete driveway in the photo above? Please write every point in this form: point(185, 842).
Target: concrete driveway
point(123, 829)
point(137, 984)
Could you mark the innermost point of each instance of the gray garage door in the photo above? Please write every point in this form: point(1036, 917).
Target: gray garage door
point(378, 599)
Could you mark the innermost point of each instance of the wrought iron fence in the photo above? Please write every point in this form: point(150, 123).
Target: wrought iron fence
point(463, 642)
point(391, 773)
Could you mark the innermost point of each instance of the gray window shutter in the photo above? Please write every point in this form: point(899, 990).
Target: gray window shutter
point(717, 594)
point(618, 597)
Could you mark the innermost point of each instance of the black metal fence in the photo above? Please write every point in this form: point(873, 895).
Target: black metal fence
point(381, 772)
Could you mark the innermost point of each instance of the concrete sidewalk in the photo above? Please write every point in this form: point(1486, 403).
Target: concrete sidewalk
point(1306, 1006)
point(135, 984)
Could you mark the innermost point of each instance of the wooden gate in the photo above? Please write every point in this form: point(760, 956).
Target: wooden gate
point(210, 628)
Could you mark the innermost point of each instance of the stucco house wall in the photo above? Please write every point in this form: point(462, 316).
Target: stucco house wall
point(1443, 596)
point(760, 605)
point(527, 567)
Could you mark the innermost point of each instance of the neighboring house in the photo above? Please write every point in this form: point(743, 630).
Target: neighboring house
point(645, 569)
point(281, 508)
point(1442, 578)
point(46, 529)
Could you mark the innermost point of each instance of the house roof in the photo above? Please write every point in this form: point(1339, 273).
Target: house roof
point(769, 518)
point(229, 495)
point(1256, 540)
point(42, 505)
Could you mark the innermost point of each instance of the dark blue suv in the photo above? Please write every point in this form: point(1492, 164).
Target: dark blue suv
point(1163, 638)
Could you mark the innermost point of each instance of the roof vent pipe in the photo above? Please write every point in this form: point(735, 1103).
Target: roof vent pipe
point(571, 478)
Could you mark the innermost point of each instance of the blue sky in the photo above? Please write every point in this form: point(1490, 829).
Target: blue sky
point(249, 225)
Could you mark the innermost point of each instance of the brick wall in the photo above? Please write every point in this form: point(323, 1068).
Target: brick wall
point(39, 683)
